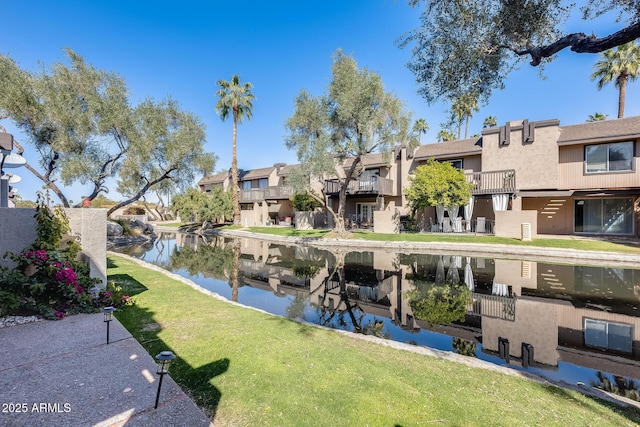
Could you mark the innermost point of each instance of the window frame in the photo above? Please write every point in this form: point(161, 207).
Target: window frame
point(608, 160)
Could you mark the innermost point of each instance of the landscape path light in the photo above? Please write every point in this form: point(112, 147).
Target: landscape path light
point(108, 317)
point(95, 294)
point(162, 360)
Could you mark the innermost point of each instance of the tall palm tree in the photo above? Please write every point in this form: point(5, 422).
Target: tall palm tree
point(597, 117)
point(490, 122)
point(620, 65)
point(420, 127)
point(462, 108)
point(236, 98)
point(445, 135)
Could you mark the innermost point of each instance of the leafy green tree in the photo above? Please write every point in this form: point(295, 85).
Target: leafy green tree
point(219, 206)
point(420, 127)
point(237, 99)
point(76, 116)
point(198, 206)
point(303, 202)
point(437, 183)
point(166, 153)
point(597, 117)
point(467, 46)
point(355, 118)
point(620, 65)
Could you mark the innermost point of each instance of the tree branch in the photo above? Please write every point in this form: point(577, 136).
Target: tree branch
point(580, 43)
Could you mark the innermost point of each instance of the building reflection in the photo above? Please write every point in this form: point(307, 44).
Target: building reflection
point(544, 313)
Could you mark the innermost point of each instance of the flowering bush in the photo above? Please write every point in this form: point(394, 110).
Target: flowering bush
point(48, 278)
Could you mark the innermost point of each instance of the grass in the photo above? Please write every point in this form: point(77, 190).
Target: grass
point(248, 368)
point(569, 243)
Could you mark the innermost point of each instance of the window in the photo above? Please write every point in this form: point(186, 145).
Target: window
point(604, 216)
point(609, 335)
point(246, 185)
point(456, 163)
point(263, 183)
point(613, 157)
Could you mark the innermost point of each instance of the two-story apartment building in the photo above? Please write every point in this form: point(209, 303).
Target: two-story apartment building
point(264, 194)
point(577, 179)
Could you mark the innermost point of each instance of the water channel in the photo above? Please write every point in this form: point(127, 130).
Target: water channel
point(565, 322)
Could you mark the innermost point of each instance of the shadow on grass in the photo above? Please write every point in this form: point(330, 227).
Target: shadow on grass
point(196, 381)
point(630, 412)
point(303, 328)
point(130, 286)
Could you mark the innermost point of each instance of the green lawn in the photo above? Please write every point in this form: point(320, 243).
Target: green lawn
point(248, 368)
point(568, 243)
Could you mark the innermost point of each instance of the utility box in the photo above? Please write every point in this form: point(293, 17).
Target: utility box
point(526, 231)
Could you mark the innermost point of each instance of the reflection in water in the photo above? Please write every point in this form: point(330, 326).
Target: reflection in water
point(565, 322)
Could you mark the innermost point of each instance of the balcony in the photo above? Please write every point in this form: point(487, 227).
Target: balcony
point(268, 193)
point(494, 182)
point(370, 186)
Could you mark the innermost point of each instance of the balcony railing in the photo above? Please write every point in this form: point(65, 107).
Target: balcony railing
point(268, 193)
point(493, 182)
point(377, 186)
point(494, 306)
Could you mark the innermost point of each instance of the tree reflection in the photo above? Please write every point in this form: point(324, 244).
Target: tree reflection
point(330, 310)
point(621, 386)
point(235, 270)
point(217, 259)
point(464, 347)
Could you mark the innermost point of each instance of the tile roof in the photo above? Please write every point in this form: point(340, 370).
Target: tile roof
point(449, 149)
point(607, 130)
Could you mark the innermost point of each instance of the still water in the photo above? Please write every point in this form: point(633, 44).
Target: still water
point(571, 323)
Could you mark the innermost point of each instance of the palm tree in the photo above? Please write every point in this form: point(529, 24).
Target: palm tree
point(462, 108)
point(420, 127)
point(490, 122)
point(597, 117)
point(236, 98)
point(445, 135)
point(620, 65)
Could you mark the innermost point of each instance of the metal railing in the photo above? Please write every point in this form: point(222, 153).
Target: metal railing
point(494, 306)
point(493, 182)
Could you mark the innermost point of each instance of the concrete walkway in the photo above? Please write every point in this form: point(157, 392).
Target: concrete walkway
point(62, 373)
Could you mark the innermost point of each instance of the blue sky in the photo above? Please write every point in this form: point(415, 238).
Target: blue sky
point(179, 50)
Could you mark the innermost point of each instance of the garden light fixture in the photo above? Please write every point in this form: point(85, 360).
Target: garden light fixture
point(162, 360)
point(95, 294)
point(108, 317)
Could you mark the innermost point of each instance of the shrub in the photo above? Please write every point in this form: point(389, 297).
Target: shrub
point(135, 210)
point(48, 279)
point(303, 202)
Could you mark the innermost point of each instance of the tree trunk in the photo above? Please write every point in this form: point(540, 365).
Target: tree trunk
point(234, 173)
point(622, 83)
point(466, 127)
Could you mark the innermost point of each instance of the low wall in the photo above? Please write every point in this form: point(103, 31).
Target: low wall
point(387, 221)
point(18, 231)
point(509, 223)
